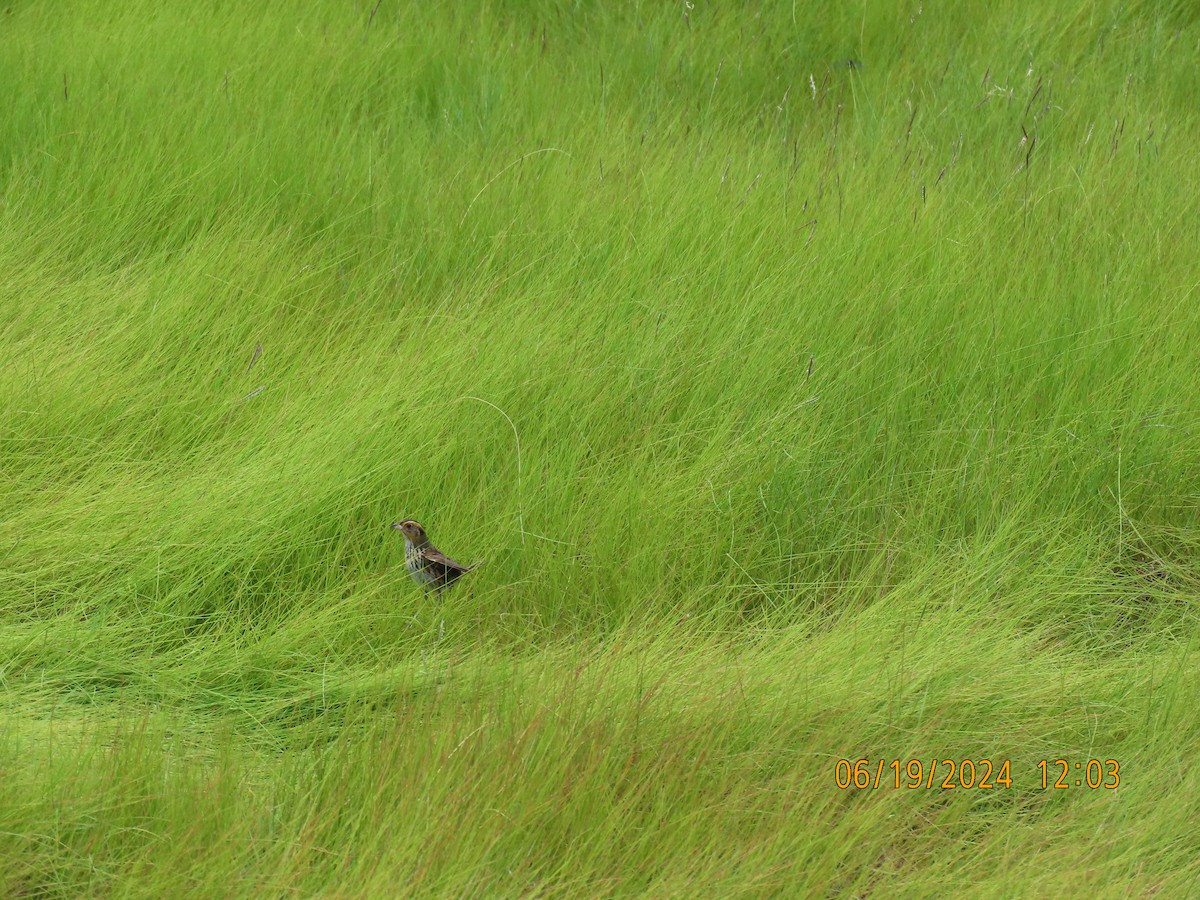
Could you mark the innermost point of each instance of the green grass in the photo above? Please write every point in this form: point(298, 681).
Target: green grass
point(798, 411)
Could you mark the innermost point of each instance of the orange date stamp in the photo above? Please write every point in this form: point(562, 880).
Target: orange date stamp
point(968, 774)
point(944, 774)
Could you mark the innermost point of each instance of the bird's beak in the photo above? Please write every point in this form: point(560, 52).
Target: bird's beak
point(395, 525)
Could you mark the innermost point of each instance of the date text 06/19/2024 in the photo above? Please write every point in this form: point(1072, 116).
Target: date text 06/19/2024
point(982, 774)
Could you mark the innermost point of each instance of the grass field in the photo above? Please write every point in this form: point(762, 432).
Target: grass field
point(813, 382)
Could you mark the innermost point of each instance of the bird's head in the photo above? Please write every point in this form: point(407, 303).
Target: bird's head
point(412, 530)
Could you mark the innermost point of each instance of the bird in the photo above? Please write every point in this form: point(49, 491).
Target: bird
point(428, 566)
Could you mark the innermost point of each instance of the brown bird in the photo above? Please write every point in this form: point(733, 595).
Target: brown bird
point(427, 565)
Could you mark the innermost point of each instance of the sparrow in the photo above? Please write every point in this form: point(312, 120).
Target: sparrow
point(427, 565)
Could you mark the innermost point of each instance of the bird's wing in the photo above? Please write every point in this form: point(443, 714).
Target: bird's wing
point(440, 558)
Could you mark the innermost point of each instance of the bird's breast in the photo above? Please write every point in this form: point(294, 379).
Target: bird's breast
point(414, 561)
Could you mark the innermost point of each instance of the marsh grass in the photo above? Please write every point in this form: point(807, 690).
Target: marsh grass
point(799, 410)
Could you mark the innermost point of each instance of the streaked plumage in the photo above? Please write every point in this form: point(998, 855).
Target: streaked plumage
point(427, 565)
